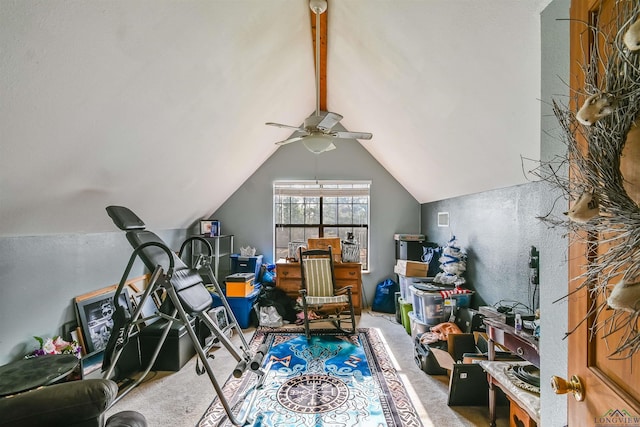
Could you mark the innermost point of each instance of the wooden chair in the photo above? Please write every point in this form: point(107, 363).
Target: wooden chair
point(319, 293)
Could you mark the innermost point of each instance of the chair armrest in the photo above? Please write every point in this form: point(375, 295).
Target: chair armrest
point(71, 403)
point(343, 290)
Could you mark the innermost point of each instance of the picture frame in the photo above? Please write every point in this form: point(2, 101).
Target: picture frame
point(95, 311)
point(205, 227)
point(210, 227)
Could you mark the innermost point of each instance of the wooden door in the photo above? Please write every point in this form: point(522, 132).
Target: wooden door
point(611, 387)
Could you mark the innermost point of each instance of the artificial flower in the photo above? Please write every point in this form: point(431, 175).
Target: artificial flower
point(56, 345)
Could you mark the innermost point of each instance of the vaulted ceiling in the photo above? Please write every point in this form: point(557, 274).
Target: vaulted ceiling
point(165, 101)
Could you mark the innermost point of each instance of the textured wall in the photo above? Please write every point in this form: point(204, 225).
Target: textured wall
point(497, 228)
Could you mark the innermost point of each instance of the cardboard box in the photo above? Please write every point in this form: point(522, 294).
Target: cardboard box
point(444, 358)
point(239, 284)
point(324, 243)
point(409, 237)
point(411, 268)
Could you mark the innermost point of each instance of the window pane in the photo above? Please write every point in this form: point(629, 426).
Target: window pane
point(278, 215)
point(360, 214)
point(311, 232)
point(312, 213)
point(331, 232)
point(298, 234)
point(282, 242)
point(329, 213)
point(362, 236)
point(282, 253)
point(297, 213)
point(344, 214)
point(283, 214)
point(282, 236)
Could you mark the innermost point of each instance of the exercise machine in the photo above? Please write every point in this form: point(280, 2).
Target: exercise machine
point(184, 297)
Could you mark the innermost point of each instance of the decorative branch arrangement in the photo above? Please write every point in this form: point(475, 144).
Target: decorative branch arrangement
point(604, 204)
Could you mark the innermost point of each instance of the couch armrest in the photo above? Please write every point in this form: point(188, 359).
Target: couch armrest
point(74, 403)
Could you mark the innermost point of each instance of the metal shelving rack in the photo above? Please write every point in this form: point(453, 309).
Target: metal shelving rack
point(222, 249)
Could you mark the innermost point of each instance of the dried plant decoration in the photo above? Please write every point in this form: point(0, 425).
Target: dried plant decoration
point(605, 178)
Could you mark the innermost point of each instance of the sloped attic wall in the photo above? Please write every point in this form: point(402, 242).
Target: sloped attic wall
point(248, 213)
point(114, 102)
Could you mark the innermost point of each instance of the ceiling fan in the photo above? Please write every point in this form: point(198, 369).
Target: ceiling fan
point(317, 133)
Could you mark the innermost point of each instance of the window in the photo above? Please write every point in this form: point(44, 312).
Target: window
point(304, 209)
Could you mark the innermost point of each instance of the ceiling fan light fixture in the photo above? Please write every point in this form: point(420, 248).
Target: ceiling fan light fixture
point(318, 6)
point(317, 133)
point(318, 142)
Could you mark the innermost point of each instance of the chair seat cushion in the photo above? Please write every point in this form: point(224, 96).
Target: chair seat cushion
point(338, 299)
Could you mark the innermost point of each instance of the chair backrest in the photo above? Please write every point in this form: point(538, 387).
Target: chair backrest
point(316, 267)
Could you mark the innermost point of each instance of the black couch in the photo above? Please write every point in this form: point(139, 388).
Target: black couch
point(69, 404)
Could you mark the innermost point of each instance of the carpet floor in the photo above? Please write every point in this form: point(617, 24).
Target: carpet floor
point(176, 399)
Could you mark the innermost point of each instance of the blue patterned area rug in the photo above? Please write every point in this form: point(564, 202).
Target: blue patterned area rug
point(333, 380)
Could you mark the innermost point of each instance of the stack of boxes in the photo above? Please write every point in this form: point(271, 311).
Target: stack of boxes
point(242, 287)
point(239, 285)
point(409, 267)
point(419, 309)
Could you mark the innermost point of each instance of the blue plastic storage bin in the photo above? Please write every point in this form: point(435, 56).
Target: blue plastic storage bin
point(240, 306)
point(246, 264)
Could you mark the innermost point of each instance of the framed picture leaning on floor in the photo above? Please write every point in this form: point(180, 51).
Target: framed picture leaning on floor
point(94, 312)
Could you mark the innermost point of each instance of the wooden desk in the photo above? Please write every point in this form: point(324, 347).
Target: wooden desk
point(524, 345)
point(288, 278)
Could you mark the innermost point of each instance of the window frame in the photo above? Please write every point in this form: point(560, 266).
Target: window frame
point(322, 189)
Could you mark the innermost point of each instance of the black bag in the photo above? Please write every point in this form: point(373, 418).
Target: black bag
point(384, 300)
point(272, 296)
point(425, 359)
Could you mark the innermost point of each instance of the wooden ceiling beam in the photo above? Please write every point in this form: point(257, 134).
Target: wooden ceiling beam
point(323, 53)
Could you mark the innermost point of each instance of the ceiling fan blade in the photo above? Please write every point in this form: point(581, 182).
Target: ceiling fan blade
point(353, 135)
point(290, 140)
point(279, 125)
point(329, 121)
